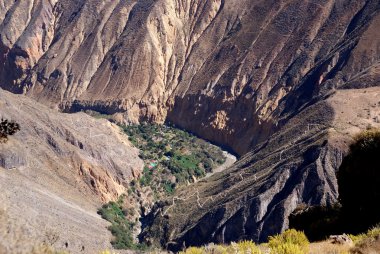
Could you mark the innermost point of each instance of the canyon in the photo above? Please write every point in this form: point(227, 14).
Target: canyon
point(283, 84)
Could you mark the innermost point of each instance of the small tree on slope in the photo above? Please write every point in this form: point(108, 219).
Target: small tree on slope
point(7, 128)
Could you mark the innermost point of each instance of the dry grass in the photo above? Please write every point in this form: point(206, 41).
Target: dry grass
point(45, 249)
point(326, 247)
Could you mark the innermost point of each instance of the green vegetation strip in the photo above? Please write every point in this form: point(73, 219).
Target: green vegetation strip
point(120, 227)
point(172, 156)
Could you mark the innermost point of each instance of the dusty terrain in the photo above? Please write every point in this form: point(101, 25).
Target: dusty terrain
point(54, 175)
point(267, 79)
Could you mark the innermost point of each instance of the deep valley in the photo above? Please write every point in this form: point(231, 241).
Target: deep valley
point(121, 109)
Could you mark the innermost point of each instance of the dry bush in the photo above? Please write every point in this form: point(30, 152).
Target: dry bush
point(243, 247)
point(288, 240)
point(46, 249)
point(288, 248)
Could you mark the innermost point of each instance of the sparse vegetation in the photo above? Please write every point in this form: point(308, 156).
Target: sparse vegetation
point(7, 128)
point(295, 242)
point(120, 227)
point(46, 249)
point(369, 236)
point(242, 247)
point(107, 252)
point(289, 242)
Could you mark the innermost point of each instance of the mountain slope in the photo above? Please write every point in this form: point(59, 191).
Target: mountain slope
point(226, 65)
point(254, 76)
point(254, 198)
point(54, 175)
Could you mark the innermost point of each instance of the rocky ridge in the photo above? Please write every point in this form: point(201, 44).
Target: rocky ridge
point(229, 66)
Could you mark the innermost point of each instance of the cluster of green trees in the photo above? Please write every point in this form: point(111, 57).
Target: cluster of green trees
point(121, 228)
point(7, 128)
point(170, 152)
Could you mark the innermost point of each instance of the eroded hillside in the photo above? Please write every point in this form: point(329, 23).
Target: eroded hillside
point(54, 175)
point(223, 69)
point(251, 75)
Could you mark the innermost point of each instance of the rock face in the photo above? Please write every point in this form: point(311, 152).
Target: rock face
point(254, 198)
point(255, 76)
point(219, 68)
point(54, 175)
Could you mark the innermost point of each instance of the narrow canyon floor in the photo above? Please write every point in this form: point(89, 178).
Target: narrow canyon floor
point(173, 158)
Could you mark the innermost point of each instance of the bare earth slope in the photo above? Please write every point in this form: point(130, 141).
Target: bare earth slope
point(54, 175)
point(256, 76)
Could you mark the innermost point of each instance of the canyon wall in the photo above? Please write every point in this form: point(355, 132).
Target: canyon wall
point(219, 68)
point(254, 76)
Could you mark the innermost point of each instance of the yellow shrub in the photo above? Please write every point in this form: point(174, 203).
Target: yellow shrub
point(289, 238)
point(107, 252)
point(220, 250)
point(216, 249)
point(288, 248)
point(244, 247)
point(371, 234)
point(357, 238)
point(194, 250)
point(374, 232)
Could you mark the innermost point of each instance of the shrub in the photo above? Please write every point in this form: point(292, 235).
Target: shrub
point(216, 249)
point(169, 187)
point(288, 248)
point(370, 235)
point(120, 227)
point(107, 252)
point(374, 232)
point(287, 239)
point(7, 128)
point(243, 248)
point(194, 250)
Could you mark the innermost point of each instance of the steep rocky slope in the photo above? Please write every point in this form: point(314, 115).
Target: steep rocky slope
point(54, 175)
point(255, 76)
point(218, 68)
point(254, 198)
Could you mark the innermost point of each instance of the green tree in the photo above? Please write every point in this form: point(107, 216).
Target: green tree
point(7, 128)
